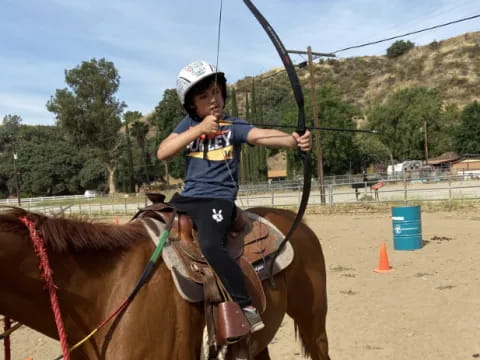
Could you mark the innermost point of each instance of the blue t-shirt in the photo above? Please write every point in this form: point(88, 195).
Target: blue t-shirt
point(217, 175)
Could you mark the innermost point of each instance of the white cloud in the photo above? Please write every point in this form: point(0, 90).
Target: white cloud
point(149, 41)
point(30, 108)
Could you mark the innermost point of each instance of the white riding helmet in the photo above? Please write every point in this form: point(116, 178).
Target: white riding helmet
point(192, 74)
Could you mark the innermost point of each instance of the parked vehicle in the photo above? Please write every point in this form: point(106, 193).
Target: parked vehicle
point(90, 194)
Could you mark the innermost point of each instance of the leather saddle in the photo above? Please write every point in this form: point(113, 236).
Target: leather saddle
point(252, 241)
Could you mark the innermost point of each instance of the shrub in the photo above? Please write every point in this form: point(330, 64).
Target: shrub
point(434, 45)
point(399, 48)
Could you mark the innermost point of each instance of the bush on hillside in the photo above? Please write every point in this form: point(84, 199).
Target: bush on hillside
point(399, 48)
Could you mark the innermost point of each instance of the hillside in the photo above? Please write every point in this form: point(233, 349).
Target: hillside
point(452, 66)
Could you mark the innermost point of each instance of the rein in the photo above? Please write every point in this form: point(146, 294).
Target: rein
point(8, 328)
point(6, 342)
point(47, 276)
point(5, 336)
point(143, 279)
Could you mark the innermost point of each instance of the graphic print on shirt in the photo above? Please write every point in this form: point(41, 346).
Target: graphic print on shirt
point(220, 147)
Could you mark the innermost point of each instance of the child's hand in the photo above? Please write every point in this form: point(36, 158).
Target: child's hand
point(304, 142)
point(209, 125)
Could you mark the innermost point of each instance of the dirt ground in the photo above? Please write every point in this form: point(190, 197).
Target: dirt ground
point(426, 309)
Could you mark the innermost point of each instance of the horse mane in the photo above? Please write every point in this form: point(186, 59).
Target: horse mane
point(62, 234)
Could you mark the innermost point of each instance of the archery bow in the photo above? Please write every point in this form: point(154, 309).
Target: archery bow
point(298, 93)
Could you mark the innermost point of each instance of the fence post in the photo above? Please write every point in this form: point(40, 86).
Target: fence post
point(405, 195)
point(273, 200)
point(330, 195)
point(449, 192)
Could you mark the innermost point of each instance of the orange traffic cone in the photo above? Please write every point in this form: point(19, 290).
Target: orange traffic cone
point(383, 264)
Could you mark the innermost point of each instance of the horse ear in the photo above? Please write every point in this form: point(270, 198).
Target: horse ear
point(155, 197)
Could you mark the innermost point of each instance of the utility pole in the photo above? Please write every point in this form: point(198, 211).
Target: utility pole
point(316, 121)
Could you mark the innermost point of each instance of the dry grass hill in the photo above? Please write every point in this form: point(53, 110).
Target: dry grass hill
point(452, 66)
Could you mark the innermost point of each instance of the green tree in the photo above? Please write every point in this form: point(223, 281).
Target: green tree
point(338, 148)
point(467, 137)
point(139, 133)
point(168, 113)
point(9, 131)
point(369, 150)
point(253, 104)
point(49, 164)
point(3, 184)
point(442, 137)
point(92, 173)
point(233, 102)
point(278, 101)
point(89, 111)
point(257, 155)
point(9, 137)
point(129, 118)
point(400, 121)
point(399, 48)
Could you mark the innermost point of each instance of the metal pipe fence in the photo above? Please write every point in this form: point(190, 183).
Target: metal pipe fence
point(445, 188)
point(282, 194)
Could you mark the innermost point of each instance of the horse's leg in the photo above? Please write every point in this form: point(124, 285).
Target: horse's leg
point(306, 283)
point(311, 327)
point(307, 297)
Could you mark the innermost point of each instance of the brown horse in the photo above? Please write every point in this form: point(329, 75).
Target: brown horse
point(97, 265)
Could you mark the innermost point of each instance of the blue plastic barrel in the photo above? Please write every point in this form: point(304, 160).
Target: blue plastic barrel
point(407, 227)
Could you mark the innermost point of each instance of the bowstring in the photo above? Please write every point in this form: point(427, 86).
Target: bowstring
point(219, 32)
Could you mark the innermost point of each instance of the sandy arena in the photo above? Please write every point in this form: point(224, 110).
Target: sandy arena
point(426, 309)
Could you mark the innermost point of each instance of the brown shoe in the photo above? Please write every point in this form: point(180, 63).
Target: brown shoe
point(254, 319)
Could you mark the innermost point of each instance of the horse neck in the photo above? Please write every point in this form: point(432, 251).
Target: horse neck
point(89, 284)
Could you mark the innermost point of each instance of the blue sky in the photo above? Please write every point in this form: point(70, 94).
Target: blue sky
point(150, 41)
